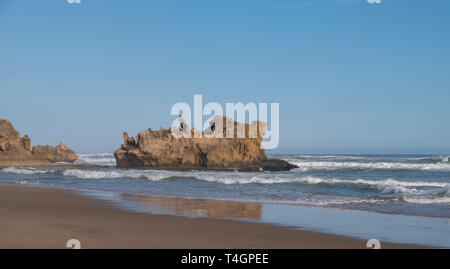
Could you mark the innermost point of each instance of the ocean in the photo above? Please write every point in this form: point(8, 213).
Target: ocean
point(412, 187)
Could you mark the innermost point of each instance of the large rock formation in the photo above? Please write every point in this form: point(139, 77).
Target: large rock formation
point(60, 153)
point(179, 149)
point(12, 146)
point(15, 150)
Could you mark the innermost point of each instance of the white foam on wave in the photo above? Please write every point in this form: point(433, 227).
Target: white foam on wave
point(329, 202)
point(384, 186)
point(98, 160)
point(27, 182)
point(394, 182)
point(105, 159)
point(409, 193)
point(270, 179)
point(94, 154)
point(436, 200)
point(323, 202)
point(305, 157)
point(98, 174)
point(407, 190)
point(240, 178)
point(436, 159)
point(315, 165)
point(25, 171)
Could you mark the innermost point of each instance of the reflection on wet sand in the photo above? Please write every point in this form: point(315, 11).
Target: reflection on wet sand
point(197, 207)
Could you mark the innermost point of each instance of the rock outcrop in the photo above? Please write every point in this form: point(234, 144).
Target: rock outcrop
point(60, 153)
point(12, 146)
point(179, 149)
point(15, 150)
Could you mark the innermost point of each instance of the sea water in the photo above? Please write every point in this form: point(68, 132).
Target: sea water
point(387, 186)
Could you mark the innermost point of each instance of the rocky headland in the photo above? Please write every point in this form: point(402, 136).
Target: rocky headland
point(179, 149)
point(16, 150)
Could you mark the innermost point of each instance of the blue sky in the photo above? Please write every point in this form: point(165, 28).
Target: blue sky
point(349, 76)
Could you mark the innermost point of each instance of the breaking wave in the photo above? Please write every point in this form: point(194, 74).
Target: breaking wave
point(104, 159)
point(411, 191)
point(239, 178)
point(329, 180)
point(316, 165)
point(438, 159)
point(25, 171)
point(437, 200)
point(92, 174)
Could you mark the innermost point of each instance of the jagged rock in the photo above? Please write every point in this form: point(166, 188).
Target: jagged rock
point(128, 140)
point(60, 153)
point(26, 142)
point(7, 130)
point(15, 150)
point(176, 148)
point(11, 145)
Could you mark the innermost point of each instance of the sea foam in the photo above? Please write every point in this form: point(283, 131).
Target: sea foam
point(316, 165)
point(25, 171)
point(98, 174)
point(240, 178)
point(104, 159)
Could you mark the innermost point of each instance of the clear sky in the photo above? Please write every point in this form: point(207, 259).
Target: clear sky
point(349, 76)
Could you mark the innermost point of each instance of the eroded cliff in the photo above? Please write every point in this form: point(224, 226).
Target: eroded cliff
point(15, 150)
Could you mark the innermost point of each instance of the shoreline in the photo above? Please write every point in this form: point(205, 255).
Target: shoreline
point(36, 217)
point(237, 200)
point(98, 166)
point(81, 192)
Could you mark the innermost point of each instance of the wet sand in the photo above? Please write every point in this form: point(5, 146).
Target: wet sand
point(33, 217)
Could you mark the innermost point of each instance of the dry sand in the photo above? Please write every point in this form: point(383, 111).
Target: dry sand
point(32, 217)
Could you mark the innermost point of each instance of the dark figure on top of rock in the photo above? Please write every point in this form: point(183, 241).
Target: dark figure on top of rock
point(182, 122)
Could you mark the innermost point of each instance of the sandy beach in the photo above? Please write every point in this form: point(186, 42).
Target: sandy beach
point(32, 217)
